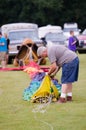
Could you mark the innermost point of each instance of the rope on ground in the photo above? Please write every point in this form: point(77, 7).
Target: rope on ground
point(42, 108)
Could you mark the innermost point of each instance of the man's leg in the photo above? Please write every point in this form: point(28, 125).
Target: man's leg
point(69, 92)
point(3, 64)
point(66, 90)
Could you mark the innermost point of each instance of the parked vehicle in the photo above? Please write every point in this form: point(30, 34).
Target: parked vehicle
point(84, 32)
point(17, 32)
point(67, 27)
point(47, 29)
point(56, 38)
point(82, 42)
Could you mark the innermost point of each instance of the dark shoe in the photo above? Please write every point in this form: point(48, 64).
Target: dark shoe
point(61, 100)
point(69, 98)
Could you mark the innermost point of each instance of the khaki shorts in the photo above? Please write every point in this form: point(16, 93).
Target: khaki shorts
point(2, 56)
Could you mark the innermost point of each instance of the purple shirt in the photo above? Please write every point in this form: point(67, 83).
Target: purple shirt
point(70, 46)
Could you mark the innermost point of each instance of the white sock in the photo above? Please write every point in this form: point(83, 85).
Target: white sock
point(69, 94)
point(63, 95)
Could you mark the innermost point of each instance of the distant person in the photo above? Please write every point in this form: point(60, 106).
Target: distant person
point(44, 41)
point(61, 57)
point(8, 46)
point(3, 51)
point(72, 42)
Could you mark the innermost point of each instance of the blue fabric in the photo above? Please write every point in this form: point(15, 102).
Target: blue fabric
point(39, 76)
point(70, 71)
point(35, 84)
point(3, 48)
point(58, 86)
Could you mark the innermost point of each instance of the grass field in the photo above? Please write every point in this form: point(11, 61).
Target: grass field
point(16, 114)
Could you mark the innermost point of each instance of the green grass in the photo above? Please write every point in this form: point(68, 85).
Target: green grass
point(16, 114)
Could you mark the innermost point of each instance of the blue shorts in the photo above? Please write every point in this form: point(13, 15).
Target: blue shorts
point(70, 71)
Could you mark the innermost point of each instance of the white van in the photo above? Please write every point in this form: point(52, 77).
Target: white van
point(67, 27)
point(49, 29)
point(17, 32)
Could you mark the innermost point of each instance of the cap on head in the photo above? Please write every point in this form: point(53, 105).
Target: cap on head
point(41, 50)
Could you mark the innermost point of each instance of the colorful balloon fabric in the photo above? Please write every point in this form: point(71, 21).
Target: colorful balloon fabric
point(35, 84)
point(36, 75)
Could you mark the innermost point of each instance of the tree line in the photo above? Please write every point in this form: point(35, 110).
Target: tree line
point(43, 12)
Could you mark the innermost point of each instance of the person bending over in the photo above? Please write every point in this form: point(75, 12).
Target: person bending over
point(62, 57)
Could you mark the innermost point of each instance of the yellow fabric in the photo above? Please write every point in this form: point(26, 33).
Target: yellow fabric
point(45, 89)
point(32, 69)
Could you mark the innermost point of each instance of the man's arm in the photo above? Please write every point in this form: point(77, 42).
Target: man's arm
point(53, 69)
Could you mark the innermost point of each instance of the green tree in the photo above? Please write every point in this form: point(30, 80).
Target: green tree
point(74, 11)
point(9, 11)
point(43, 12)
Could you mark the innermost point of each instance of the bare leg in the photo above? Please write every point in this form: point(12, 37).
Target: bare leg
point(7, 57)
point(69, 89)
point(66, 88)
point(3, 64)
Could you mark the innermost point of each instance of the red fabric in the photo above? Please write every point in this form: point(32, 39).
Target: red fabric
point(11, 69)
point(31, 64)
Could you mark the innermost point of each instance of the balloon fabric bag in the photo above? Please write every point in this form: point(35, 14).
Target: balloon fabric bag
point(46, 91)
point(42, 87)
